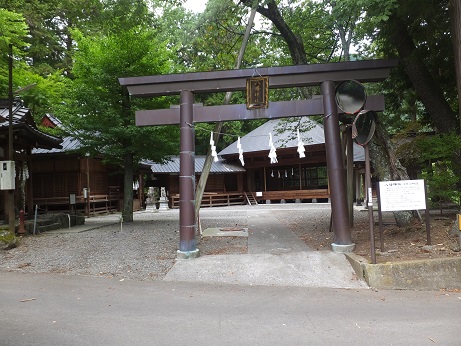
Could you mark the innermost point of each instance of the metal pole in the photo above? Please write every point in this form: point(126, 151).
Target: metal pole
point(11, 214)
point(336, 171)
point(380, 219)
point(427, 216)
point(370, 202)
point(10, 98)
point(350, 174)
point(88, 205)
point(459, 229)
point(187, 242)
point(35, 218)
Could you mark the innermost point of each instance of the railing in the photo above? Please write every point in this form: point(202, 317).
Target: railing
point(215, 199)
point(294, 194)
point(97, 203)
point(239, 198)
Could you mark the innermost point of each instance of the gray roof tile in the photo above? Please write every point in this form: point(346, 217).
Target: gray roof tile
point(22, 120)
point(68, 144)
point(172, 166)
point(285, 136)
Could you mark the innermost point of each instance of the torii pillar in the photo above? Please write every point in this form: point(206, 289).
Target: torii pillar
point(187, 243)
point(342, 241)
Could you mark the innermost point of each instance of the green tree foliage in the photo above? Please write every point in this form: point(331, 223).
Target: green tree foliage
point(43, 93)
point(101, 116)
point(219, 33)
point(49, 23)
point(314, 25)
point(13, 30)
point(419, 33)
point(47, 91)
point(439, 169)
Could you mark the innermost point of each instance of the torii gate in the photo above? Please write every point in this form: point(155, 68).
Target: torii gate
point(187, 84)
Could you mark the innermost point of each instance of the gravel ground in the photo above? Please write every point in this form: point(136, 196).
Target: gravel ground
point(142, 250)
point(146, 248)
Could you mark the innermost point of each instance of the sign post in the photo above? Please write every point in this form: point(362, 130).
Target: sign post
point(72, 202)
point(459, 226)
point(404, 195)
point(363, 129)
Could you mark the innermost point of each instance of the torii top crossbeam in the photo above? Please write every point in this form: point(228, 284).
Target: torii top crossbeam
point(280, 77)
point(187, 84)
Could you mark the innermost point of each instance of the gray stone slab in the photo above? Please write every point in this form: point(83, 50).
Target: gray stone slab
point(225, 232)
point(302, 269)
point(269, 235)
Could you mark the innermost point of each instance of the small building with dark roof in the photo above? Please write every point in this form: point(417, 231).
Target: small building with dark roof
point(61, 172)
point(26, 138)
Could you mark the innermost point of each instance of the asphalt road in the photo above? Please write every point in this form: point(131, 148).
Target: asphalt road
point(53, 309)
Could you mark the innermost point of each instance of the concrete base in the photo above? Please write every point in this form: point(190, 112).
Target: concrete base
point(163, 204)
point(151, 207)
point(342, 248)
point(187, 254)
point(432, 274)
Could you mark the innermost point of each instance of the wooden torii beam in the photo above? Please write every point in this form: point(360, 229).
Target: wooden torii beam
point(280, 77)
point(187, 84)
point(281, 109)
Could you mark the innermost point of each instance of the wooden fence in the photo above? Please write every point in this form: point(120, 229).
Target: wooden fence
point(215, 199)
point(97, 203)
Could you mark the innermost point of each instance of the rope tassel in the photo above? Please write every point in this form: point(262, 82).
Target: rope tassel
point(272, 154)
point(213, 148)
point(301, 148)
point(239, 147)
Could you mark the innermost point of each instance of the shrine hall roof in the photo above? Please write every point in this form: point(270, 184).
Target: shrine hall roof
point(284, 135)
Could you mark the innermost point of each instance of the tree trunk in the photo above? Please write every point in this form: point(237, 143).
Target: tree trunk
point(127, 212)
point(201, 185)
point(427, 89)
point(387, 166)
point(294, 42)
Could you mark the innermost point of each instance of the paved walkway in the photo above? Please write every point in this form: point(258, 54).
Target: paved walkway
point(276, 257)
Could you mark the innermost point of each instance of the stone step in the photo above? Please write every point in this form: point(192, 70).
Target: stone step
point(49, 227)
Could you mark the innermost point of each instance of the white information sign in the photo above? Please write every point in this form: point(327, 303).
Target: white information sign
point(402, 195)
point(72, 198)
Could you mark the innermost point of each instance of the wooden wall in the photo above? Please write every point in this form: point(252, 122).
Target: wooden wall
point(65, 175)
